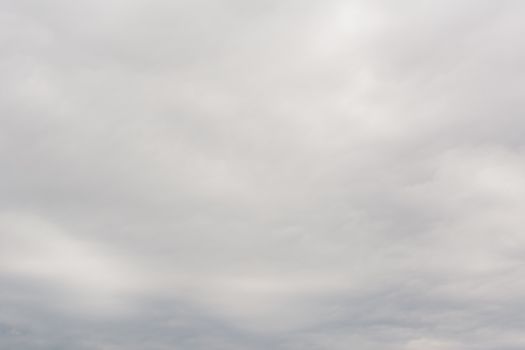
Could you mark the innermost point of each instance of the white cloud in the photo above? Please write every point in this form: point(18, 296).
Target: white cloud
point(283, 174)
point(77, 271)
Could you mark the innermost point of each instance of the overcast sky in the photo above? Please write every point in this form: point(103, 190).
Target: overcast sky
point(256, 175)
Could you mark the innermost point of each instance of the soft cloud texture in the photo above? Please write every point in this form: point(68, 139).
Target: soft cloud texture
point(261, 175)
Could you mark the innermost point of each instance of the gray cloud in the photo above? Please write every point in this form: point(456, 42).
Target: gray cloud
point(242, 175)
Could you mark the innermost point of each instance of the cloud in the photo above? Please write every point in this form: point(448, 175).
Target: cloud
point(73, 270)
point(286, 175)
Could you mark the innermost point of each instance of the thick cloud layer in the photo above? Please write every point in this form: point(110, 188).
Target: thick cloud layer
point(262, 175)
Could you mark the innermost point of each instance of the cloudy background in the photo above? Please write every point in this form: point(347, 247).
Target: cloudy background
point(289, 175)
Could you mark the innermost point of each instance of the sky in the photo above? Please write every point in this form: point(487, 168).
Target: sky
point(288, 175)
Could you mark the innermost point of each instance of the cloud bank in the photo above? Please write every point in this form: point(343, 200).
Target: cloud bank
point(261, 175)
